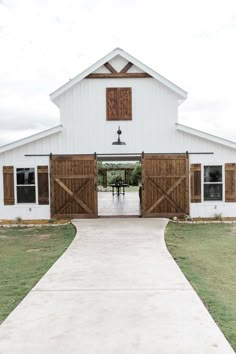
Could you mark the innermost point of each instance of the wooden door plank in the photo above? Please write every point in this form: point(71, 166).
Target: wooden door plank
point(79, 190)
point(81, 157)
point(72, 194)
point(91, 176)
point(165, 195)
point(187, 195)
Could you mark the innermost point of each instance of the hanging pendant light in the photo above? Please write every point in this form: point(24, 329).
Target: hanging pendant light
point(118, 142)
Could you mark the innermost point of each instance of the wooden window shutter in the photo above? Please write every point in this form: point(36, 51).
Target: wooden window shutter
point(125, 103)
point(230, 182)
point(8, 185)
point(112, 104)
point(43, 190)
point(195, 173)
point(119, 103)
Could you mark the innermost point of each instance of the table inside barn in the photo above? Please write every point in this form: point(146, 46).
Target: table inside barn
point(118, 188)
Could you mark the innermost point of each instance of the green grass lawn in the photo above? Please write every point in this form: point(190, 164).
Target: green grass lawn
point(206, 253)
point(25, 256)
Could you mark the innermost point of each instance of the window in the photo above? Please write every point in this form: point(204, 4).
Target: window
point(25, 185)
point(119, 103)
point(213, 183)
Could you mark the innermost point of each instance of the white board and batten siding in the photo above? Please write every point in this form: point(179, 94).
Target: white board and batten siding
point(86, 130)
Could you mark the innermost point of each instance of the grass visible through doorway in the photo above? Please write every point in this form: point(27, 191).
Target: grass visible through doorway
point(206, 253)
point(25, 256)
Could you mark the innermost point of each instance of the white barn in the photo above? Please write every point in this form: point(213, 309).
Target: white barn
point(53, 173)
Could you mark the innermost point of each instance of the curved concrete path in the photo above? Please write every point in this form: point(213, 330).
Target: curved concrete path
point(116, 290)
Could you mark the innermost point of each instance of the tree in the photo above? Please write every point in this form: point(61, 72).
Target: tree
point(136, 175)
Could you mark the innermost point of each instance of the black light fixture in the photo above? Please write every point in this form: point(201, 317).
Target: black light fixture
point(119, 142)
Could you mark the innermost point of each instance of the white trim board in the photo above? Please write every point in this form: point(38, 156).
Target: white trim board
point(180, 92)
point(31, 138)
point(204, 135)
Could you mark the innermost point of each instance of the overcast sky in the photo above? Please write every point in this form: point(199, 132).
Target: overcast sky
point(44, 43)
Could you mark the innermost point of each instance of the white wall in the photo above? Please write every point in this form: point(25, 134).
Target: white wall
point(83, 114)
point(29, 211)
point(25, 212)
point(212, 210)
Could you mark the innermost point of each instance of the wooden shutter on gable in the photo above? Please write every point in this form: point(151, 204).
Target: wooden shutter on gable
point(112, 104)
point(8, 185)
point(230, 182)
point(195, 173)
point(125, 103)
point(43, 191)
point(119, 103)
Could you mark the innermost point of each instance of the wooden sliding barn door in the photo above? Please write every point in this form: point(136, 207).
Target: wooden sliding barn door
point(73, 186)
point(165, 185)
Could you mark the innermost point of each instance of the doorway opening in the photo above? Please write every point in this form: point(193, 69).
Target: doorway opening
point(119, 185)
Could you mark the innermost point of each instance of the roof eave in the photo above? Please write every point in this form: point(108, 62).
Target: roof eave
point(207, 136)
point(31, 138)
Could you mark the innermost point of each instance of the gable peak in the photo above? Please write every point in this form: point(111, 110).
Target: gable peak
point(139, 70)
point(117, 48)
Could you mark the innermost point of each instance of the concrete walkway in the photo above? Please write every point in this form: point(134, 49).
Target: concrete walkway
point(113, 205)
point(116, 290)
